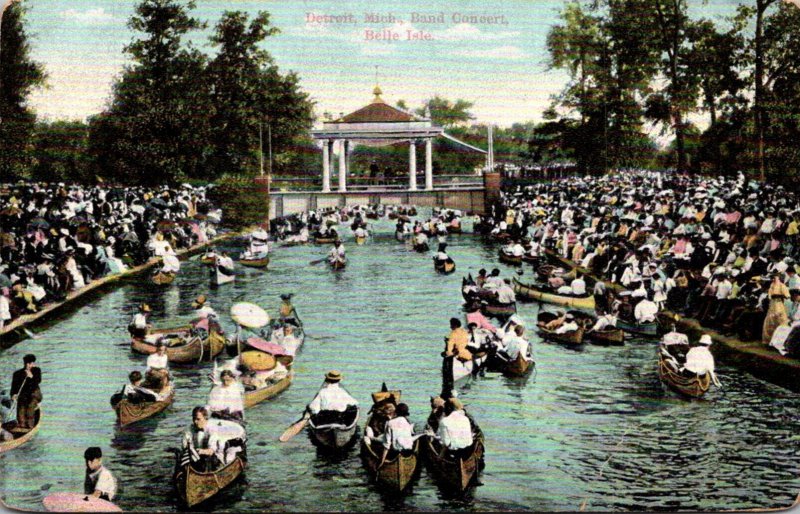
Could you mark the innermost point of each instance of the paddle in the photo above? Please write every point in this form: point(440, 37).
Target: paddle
point(296, 428)
point(314, 263)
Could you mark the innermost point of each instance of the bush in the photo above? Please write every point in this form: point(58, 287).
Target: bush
point(242, 200)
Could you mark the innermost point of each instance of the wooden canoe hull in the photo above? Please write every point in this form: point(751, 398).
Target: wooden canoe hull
point(337, 265)
point(519, 367)
point(361, 240)
point(191, 353)
point(609, 336)
point(421, 248)
point(510, 259)
point(530, 292)
point(255, 263)
point(324, 240)
point(253, 398)
point(163, 279)
point(455, 474)
point(644, 329)
point(694, 387)
point(333, 437)
point(494, 310)
point(570, 338)
point(195, 487)
point(444, 268)
point(24, 438)
point(129, 413)
point(395, 474)
point(208, 260)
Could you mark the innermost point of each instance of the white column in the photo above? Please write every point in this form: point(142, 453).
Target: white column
point(342, 165)
point(326, 167)
point(412, 166)
point(429, 164)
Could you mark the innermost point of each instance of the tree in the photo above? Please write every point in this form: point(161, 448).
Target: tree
point(445, 113)
point(156, 128)
point(60, 152)
point(19, 76)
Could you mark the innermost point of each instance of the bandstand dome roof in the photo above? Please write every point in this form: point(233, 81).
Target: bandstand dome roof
point(378, 112)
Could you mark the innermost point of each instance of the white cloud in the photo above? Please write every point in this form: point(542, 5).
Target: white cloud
point(469, 32)
point(97, 16)
point(510, 53)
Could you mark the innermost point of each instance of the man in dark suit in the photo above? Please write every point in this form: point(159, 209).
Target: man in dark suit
point(25, 391)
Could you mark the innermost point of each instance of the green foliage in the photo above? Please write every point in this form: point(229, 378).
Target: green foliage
point(242, 202)
point(60, 152)
point(19, 76)
point(445, 113)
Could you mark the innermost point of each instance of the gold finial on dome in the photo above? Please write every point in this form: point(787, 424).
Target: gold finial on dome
point(377, 92)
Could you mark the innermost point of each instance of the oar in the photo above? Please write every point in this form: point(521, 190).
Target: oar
point(314, 263)
point(295, 429)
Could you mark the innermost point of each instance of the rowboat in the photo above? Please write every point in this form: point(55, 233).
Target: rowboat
point(252, 398)
point(574, 338)
point(188, 350)
point(495, 310)
point(518, 367)
point(643, 329)
point(397, 471)
point(510, 259)
point(421, 248)
point(324, 240)
point(694, 387)
point(334, 436)
point(261, 262)
point(129, 413)
point(195, 487)
point(454, 473)
point(22, 438)
point(162, 279)
point(75, 502)
point(360, 240)
point(337, 264)
point(444, 267)
point(531, 292)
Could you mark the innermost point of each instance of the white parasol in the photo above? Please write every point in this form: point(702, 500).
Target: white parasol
point(73, 502)
point(249, 315)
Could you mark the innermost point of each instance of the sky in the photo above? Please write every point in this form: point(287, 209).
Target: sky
point(491, 53)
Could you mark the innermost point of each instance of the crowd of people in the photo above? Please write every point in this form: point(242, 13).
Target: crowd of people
point(722, 250)
point(55, 238)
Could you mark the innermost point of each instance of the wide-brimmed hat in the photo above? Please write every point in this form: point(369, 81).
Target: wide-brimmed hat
point(201, 300)
point(333, 376)
point(287, 296)
point(705, 340)
point(144, 307)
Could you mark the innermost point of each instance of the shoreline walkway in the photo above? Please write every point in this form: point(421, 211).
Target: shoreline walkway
point(15, 331)
point(754, 357)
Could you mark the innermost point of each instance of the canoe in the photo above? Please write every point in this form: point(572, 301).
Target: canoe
point(255, 263)
point(372, 215)
point(510, 259)
point(462, 370)
point(162, 279)
point(694, 387)
point(421, 248)
point(531, 292)
point(129, 413)
point(334, 436)
point(192, 351)
point(518, 367)
point(495, 309)
point(456, 474)
point(643, 329)
point(531, 259)
point(361, 240)
point(397, 471)
point(501, 237)
point(571, 338)
point(454, 230)
point(324, 240)
point(219, 278)
point(614, 336)
point(445, 268)
point(20, 439)
point(337, 264)
point(209, 258)
point(76, 502)
point(195, 487)
point(252, 398)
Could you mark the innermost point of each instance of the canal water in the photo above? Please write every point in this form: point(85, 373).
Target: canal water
point(591, 428)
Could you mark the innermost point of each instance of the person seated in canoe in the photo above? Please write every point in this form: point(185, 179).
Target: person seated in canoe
point(99, 482)
point(287, 314)
point(455, 429)
point(360, 232)
point(210, 444)
point(289, 341)
point(139, 325)
point(337, 253)
point(604, 320)
point(514, 249)
point(480, 280)
point(226, 399)
point(133, 391)
point(398, 436)
point(259, 246)
point(576, 288)
point(225, 264)
point(441, 256)
point(437, 413)
point(493, 281)
point(382, 412)
point(676, 346)
point(645, 311)
point(158, 360)
point(169, 261)
point(204, 315)
point(474, 315)
point(301, 237)
point(534, 249)
point(420, 239)
point(569, 325)
point(514, 344)
point(505, 293)
point(332, 404)
point(700, 360)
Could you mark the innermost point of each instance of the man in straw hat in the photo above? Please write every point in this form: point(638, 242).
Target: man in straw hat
point(455, 428)
point(287, 313)
point(332, 403)
point(139, 325)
